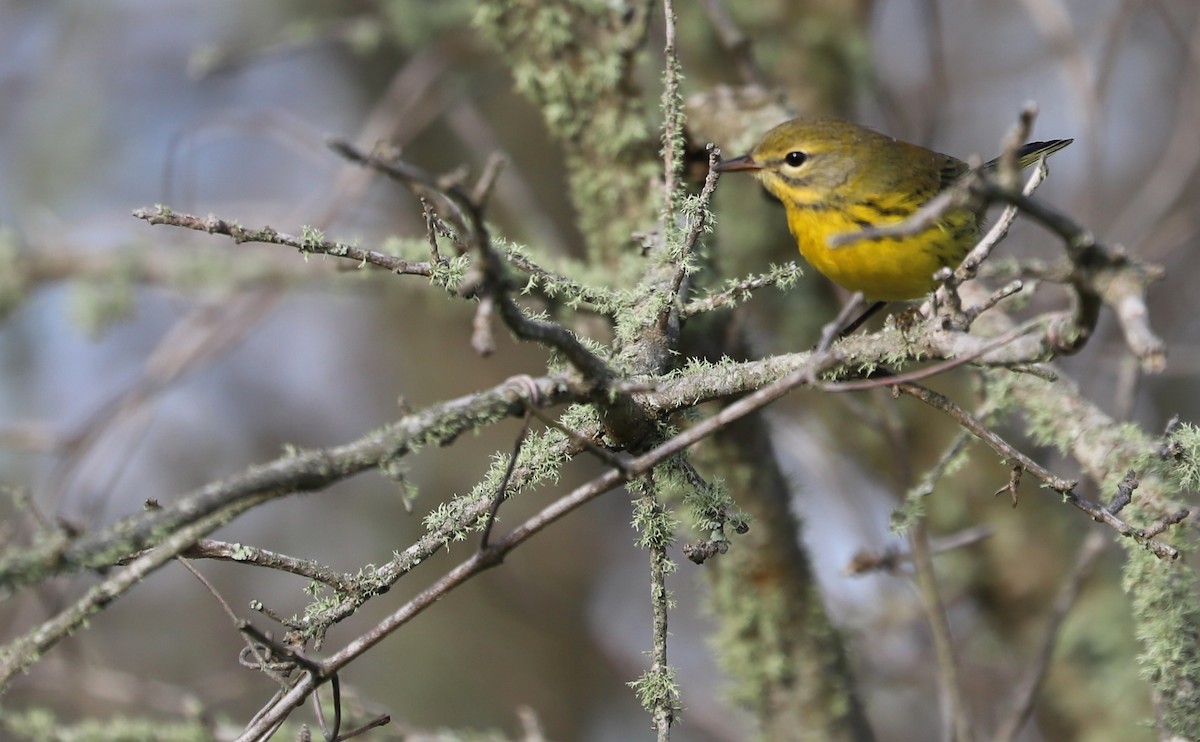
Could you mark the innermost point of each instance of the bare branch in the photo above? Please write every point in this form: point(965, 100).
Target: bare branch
point(1115, 277)
point(259, 557)
point(890, 559)
point(1064, 487)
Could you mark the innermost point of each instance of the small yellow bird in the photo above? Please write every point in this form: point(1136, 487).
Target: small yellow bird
point(835, 178)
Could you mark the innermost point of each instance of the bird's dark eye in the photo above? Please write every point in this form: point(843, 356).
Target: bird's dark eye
point(795, 159)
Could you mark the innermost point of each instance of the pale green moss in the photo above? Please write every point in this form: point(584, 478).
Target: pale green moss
point(1186, 470)
point(1166, 616)
point(98, 302)
point(657, 689)
point(38, 725)
point(575, 63)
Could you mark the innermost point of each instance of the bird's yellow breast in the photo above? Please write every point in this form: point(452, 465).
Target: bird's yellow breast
point(890, 269)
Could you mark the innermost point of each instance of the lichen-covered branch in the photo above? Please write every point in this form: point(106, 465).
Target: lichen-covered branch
point(576, 62)
point(301, 471)
point(311, 241)
point(491, 285)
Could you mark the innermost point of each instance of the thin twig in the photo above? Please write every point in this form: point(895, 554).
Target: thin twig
point(502, 488)
point(954, 706)
point(1012, 486)
point(672, 134)
point(740, 290)
point(597, 296)
point(253, 555)
point(470, 215)
point(431, 231)
point(267, 235)
point(286, 654)
point(233, 617)
point(665, 707)
point(335, 689)
point(375, 723)
point(1008, 171)
point(700, 222)
point(1066, 488)
point(1009, 289)
point(891, 558)
point(487, 179)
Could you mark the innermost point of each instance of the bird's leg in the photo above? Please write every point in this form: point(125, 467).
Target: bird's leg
point(858, 321)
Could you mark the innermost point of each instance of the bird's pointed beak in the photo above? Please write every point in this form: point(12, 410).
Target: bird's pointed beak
point(738, 164)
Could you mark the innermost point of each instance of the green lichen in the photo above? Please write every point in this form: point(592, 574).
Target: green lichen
point(1166, 616)
point(654, 523)
point(97, 302)
point(656, 689)
point(575, 62)
point(1186, 462)
point(541, 459)
point(450, 273)
point(37, 724)
point(311, 239)
point(13, 280)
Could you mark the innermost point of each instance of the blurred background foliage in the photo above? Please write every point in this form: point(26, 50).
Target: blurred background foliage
point(222, 107)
